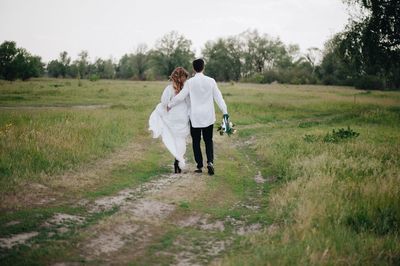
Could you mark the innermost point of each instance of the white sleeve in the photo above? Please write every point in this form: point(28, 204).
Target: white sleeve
point(218, 98)
point(180, 96)
point(166, 96)
point(187, 99)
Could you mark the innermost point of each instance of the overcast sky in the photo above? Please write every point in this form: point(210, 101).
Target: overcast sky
point(114, 27)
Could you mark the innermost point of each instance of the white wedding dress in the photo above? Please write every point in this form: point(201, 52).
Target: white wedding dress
point(172, 126)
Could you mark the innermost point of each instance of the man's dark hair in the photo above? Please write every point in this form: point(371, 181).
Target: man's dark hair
point(198, 65)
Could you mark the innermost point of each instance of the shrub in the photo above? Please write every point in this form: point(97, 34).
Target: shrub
point(94, 77)
point(341, 134)
point(369, 82)
point(256, 78)
point(329, 80)
point(270, 76)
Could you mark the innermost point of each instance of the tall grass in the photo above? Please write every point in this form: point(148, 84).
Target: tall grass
point(42, 142)
point(45, 142)
point(333, 203)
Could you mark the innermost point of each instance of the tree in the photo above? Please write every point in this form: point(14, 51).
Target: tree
point(262, 53)
point(134, 66)
point(32, 66)
point(8, 52)
point(140, 62)
point(286, 56)
point(171, 51)
point(83, 64)
point(125, 67)
point(65, 61)
point(60, 67)
point(223, 59)
point(383, 17)
point(18, 63)
point(54, 68)
point(371, 44)
point(313, 55)
point(334, 68)
point(256, 52)
point(103, 69)
point(73, 70)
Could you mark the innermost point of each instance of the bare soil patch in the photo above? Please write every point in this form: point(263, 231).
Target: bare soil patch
point(143, 212)
point(18, 239)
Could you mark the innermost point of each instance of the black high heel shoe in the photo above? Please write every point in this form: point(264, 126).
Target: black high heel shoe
point(177, 169)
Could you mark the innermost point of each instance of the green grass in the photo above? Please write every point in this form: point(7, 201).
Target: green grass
point(48, 142)
point(332, 202)
point(41, 142)
point(151, 165)
point(324, 202)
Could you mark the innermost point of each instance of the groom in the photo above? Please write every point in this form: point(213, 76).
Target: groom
point(202, 92)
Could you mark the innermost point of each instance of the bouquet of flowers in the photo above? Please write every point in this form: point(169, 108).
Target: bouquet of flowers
point(226, 126)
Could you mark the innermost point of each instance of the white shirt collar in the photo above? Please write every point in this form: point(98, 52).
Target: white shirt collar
point(199, 74)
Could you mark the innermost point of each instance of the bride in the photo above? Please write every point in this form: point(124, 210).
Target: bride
point(173, 124)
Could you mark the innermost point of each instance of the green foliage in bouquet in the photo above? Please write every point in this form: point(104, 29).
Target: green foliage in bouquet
point(226, 126)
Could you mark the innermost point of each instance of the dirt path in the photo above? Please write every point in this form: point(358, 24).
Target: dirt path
point(146, 215)
point(143, 216)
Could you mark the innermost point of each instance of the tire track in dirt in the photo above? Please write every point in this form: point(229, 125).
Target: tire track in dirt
point(143, 213)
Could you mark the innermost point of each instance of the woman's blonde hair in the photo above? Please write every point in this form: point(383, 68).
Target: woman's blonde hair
point(176, 77)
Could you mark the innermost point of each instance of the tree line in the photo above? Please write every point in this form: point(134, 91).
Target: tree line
point(366, 55)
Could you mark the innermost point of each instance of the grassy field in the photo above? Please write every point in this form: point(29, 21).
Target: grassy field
point(324, 197)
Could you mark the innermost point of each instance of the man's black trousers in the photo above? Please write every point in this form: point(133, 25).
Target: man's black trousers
point(207, 133)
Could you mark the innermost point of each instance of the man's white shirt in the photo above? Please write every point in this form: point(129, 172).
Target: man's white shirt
point(202, 91)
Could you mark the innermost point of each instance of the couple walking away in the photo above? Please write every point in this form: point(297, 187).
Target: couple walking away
point(187, 105)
